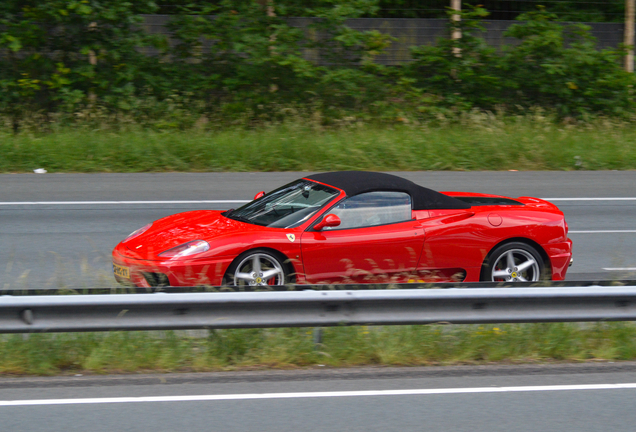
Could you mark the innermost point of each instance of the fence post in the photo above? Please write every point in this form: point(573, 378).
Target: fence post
point(457, 33)
point(628, 38)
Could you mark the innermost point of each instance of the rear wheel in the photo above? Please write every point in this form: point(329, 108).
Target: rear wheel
point(256, 268)
point(513, 262)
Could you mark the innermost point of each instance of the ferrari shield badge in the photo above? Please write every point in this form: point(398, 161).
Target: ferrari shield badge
point(291, 237)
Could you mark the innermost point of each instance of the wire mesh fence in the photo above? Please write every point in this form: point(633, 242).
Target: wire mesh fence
point(409, 32)
point(567, 10)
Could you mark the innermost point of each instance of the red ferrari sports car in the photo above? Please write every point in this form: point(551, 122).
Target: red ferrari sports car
point(351, 227)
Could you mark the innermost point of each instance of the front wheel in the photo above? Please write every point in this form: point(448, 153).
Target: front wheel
point(256, 268)
point(513, 262)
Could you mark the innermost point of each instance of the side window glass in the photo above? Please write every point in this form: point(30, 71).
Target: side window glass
point(371, 209)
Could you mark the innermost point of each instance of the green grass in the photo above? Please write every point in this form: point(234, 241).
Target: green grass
point(116, 352)
point(478, 142)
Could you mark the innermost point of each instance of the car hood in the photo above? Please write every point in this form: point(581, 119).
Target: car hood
point(180, 228)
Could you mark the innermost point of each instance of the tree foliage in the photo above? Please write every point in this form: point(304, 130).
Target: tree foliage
point(559, 66)
point(57, 54)
point(246, 59)
point(553, 65)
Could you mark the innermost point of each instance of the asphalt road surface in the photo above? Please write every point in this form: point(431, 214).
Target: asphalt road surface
point(58, 230)
point(564, 398)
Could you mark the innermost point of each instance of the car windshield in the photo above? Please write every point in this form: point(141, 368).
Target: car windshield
point(285, 207)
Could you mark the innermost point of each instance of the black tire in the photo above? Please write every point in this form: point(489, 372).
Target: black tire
point(514, 262)
point(242, 273)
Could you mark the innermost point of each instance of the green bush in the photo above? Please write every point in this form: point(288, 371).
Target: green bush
point(554, 66)
point(462, 71)
point(559, 67)
point(243, 57)
point(58, 55)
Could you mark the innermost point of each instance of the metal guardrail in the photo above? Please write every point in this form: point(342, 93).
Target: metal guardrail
point(121, 289)
point(162, 311)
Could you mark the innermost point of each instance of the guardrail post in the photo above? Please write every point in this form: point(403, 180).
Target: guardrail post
point(317, 337)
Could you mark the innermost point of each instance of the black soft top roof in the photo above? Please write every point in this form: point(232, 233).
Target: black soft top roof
point(357, 182)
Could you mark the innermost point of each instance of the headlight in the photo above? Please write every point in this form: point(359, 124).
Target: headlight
point(186, 249)
point(138, 232)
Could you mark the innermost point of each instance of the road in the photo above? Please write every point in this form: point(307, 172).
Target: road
point(577, 398)
point(57, 230)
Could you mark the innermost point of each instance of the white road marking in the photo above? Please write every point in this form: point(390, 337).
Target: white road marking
point(16, 203)
point(120, 202)
point(10, 203)
point(601, 231)
point(362, 393)
point(619, 268)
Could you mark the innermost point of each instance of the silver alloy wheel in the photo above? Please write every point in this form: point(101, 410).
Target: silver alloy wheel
point(259, 269)
point(516, 265)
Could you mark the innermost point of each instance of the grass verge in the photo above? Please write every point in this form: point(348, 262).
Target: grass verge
point(116, 352)
point(480, 142)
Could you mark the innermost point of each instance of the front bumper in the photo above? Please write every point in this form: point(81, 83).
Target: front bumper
point(149, 273)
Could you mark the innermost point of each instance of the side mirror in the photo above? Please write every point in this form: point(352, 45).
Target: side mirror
point(331, 220)
point(258, 195)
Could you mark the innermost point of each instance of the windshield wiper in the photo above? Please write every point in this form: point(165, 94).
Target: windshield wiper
point(239, 218)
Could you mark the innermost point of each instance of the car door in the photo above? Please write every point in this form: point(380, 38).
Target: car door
point(377, 241)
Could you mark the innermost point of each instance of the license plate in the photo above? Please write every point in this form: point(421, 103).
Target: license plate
point(121, 271)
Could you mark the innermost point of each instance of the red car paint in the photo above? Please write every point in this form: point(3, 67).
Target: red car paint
point(437, 245)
